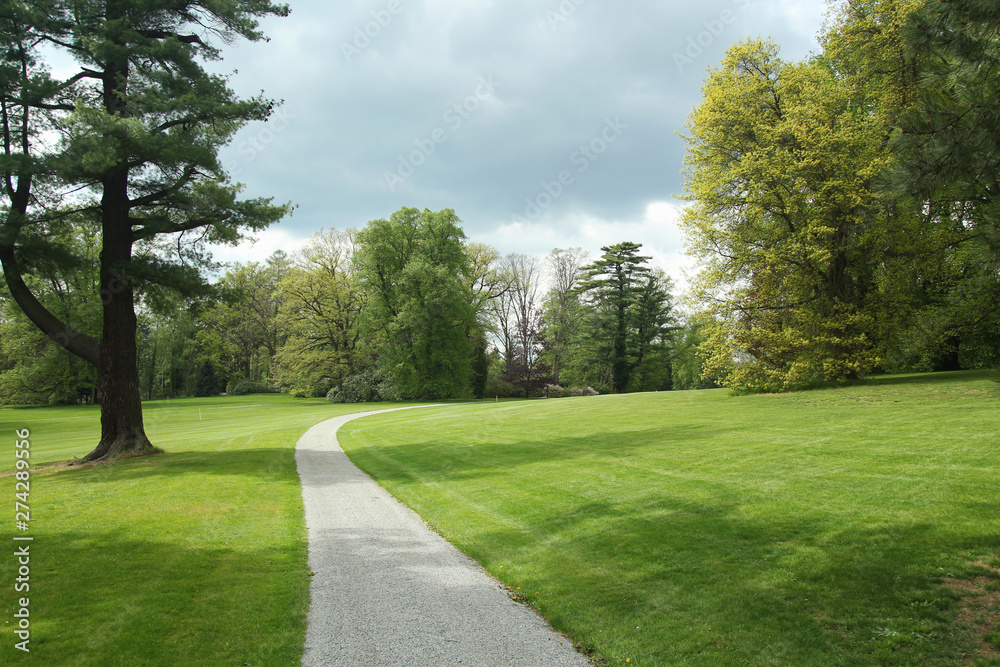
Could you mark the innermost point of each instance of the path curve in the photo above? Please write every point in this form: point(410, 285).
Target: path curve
point(386, 591)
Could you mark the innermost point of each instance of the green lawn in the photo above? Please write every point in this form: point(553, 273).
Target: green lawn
point(850, 526)
point(193, 556)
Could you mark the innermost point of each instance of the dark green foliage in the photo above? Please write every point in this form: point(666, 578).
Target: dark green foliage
point(947, 150)
point(246, 387)
point(140, 122)
point(207, 382)
point(628, 313)
point(480, 369)
point(367, 387)
point(949, 146)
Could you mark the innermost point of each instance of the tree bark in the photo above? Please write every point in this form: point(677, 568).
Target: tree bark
point(122, 430)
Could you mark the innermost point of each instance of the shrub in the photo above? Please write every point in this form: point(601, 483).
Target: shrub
point(554, 391)
point(576, 391)
point(495, 387)
point(244, 387)
point(590, 391)
point(322, 388)
point(366, 387)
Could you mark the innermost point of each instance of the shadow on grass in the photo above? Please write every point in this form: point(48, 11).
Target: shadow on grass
point(948, 377)
point(266, 464)
point(713, 587)
point(693, 569)
point(442, 460)
point(108, 598)
point(481, 460)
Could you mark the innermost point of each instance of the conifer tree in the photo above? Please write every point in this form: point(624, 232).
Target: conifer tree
point(129, 140)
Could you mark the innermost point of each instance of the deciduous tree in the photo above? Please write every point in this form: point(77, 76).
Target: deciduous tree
point(319, 315)
point(415, 271)
point(782, 164)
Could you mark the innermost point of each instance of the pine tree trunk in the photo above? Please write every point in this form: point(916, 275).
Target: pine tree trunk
point(122, 430)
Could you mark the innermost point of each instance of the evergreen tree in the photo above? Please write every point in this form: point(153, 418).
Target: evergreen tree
point(139, 124)
point(949, 145)
point(612, 287)
point(207, 382)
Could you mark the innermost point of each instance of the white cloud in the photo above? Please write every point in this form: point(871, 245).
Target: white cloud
point(657, 230)
point(261, 246)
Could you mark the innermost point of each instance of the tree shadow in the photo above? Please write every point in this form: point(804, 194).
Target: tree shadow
point(263, 463)
point(443, 460)
point(717, 587)
point(108, 597)
point(944, 377)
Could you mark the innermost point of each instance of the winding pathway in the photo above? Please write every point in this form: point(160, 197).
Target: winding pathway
point(387, 591)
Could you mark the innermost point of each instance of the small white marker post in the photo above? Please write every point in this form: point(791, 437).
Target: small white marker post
point(199, 414)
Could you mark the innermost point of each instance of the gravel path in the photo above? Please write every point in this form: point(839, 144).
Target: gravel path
point(388, 591)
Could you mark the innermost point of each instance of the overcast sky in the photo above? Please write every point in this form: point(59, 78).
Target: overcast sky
point(542, 123)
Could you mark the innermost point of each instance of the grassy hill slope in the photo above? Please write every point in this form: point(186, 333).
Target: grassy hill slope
point(854, 526)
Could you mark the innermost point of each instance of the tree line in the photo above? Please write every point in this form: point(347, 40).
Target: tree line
point(846, 207)
point(404, 308)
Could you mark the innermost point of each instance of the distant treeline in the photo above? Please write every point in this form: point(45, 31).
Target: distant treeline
point(405, 308)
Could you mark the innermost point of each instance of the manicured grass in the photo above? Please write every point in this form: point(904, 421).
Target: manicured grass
point(193, 556)
point(831, 527)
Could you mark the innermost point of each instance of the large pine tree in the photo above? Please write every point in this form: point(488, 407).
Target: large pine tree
point(129, 140)
point(627, 307)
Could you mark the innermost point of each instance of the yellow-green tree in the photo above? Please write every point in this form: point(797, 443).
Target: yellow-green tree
point(781, 166)
point(319, 315)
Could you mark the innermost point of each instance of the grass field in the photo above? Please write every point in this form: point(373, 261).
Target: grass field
point(853, 526)
point(196, 556)
point(850, 526)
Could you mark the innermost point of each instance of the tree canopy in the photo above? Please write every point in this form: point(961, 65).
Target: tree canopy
point(836, 201)
point(416, 271)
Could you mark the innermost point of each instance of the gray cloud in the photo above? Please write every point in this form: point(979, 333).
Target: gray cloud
point(367, 85)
